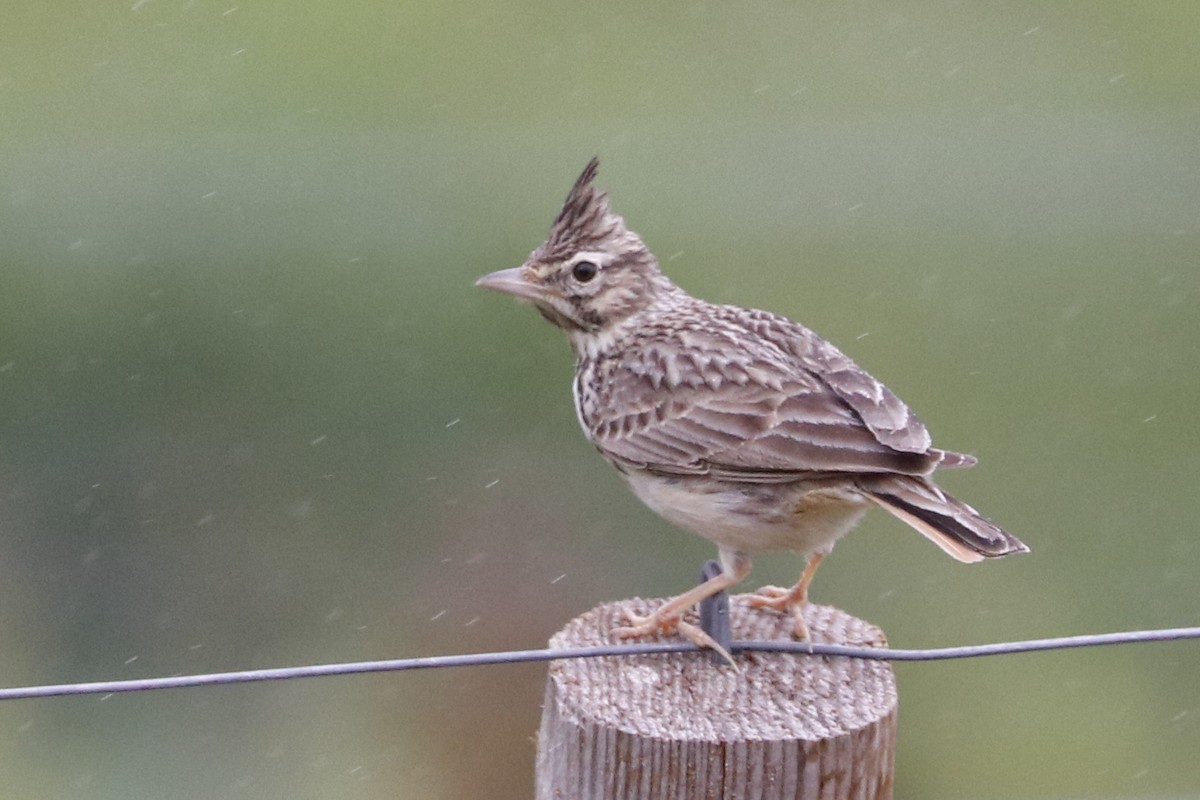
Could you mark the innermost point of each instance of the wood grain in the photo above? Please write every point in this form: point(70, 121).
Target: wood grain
point(680, 726)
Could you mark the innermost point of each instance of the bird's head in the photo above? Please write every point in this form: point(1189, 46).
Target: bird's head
point(591, 273)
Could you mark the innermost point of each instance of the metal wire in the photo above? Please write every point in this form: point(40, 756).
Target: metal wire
point(524, 656)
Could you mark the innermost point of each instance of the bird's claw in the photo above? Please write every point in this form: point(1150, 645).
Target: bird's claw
point(646, 625)
point(786, 601)
point(773, 597)
point(649, 624)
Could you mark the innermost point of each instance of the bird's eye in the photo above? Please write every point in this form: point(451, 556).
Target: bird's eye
point(584, 271)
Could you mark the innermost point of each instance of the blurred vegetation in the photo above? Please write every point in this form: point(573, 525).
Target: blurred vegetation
point(253, 413)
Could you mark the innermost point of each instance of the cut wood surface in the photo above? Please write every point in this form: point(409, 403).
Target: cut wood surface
point(680, 726)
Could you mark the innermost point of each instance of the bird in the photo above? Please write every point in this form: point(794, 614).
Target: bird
point(736, 424)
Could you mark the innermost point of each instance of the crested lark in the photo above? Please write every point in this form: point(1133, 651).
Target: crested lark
point(739, 425)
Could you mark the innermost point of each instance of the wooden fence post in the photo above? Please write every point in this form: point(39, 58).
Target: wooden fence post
point(680, 727)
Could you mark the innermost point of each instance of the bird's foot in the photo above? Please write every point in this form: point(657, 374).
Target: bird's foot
point(647, 625)
point(668, 624)
point(788, 601)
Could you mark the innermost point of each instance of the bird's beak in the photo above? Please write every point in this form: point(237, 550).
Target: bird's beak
point(512, 281)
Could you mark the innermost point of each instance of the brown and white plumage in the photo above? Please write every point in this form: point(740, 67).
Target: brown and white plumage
point(738, 424)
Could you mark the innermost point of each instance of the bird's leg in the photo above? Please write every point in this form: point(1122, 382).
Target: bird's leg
point(790, 600)
point(668, 617)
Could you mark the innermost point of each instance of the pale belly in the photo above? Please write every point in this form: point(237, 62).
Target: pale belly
point(805, 516)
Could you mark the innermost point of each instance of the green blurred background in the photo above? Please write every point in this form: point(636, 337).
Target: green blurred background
point(253, 413)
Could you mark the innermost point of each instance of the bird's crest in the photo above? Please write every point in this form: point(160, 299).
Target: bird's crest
point(584, 221)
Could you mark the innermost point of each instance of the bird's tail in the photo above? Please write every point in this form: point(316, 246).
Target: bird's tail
point(949, 523)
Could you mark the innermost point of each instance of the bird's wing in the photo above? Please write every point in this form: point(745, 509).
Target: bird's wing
point(755, 413)
point(884, 414)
